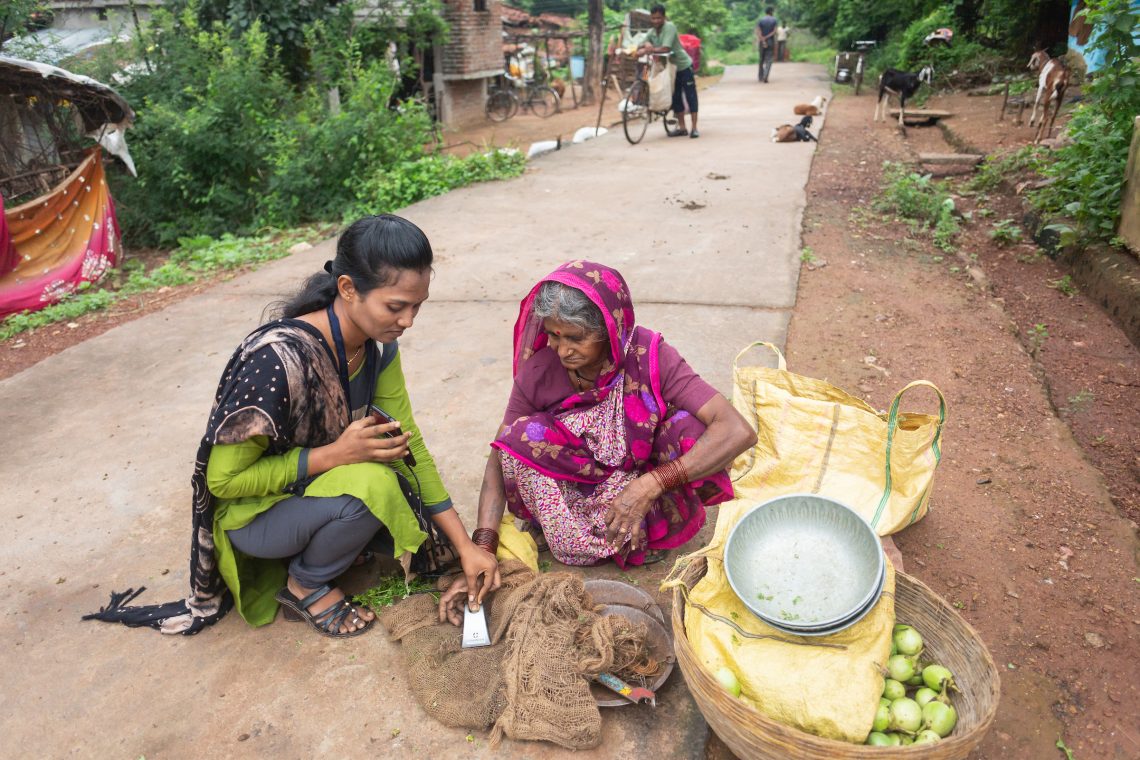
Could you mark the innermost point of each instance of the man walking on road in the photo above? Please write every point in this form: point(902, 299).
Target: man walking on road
point(664, 39)
point(766, 41)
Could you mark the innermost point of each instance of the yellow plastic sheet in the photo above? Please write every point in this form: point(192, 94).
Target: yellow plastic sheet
point(514, 544)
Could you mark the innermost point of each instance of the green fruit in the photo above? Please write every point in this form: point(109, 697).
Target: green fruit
point(906, 715)
point(937, 677)
point(882, 718)
point(901, 667)
point(924, 695)
point(939, 717)
point(908, 640)
point(893, 690)
point(927, 737)
point(877, 739)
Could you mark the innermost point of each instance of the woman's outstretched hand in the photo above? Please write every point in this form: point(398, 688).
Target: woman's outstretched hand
point(480, 577)
point(627, 512)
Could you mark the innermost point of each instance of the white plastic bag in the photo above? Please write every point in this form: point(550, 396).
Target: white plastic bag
point(661, 88)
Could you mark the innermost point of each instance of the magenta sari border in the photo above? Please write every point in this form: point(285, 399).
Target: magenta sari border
point(655, 372)
point(534, 465)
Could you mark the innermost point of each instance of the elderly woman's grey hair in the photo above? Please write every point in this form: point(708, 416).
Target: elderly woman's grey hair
point(569, 305)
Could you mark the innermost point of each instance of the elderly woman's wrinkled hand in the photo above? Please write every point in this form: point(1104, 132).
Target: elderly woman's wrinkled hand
point(626, 514)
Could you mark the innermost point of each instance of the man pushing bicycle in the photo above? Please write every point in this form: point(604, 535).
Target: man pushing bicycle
point(664, 40)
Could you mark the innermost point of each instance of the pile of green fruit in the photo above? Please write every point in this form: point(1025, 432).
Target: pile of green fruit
point(926, 714)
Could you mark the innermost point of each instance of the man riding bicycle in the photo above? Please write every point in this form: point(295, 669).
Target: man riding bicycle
point(663, 39)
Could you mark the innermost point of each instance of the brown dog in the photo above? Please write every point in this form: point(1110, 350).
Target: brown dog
point(815, 108)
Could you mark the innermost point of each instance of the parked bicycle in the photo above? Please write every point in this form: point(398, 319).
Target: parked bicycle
point(503, 102)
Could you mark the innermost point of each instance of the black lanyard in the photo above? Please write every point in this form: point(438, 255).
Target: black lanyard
point(342, 362)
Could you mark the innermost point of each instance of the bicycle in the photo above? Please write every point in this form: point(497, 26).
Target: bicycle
point(503, 103)
point(636, 114)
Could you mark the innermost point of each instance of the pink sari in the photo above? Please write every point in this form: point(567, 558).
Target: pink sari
point(60, 240)
point(562, 467)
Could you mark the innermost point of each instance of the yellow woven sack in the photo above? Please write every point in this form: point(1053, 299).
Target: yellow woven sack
point(813, 438)
point(816, 438)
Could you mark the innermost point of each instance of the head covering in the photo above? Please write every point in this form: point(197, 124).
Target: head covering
point(654, 432)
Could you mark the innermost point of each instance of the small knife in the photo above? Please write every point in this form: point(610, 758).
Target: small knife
point(475, 628)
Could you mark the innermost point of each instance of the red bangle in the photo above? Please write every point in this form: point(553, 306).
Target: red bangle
point(486, 539)
point(671, 475)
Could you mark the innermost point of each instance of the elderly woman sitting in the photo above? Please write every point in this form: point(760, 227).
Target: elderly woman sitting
point(611, 444)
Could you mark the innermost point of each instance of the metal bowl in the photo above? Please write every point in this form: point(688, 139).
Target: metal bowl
point(660, 644)
point(831, 628)
point(872, 598)
point(806, 561)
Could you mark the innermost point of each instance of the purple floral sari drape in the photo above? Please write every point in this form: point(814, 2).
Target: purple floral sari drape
point(647, 431)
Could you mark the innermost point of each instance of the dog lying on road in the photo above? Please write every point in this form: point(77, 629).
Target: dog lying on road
point(814, 108)
point(794, 132)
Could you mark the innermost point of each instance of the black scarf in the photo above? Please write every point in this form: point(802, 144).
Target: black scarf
point(281, 383)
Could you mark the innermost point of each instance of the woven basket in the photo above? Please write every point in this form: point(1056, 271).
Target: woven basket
point(949, 640)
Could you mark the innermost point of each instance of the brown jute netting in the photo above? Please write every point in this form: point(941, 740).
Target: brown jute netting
point(532, 683)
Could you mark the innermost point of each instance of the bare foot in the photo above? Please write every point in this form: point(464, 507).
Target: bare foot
point(361, 614)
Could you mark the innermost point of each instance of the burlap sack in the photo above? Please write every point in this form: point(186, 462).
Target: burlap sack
point(532, 683)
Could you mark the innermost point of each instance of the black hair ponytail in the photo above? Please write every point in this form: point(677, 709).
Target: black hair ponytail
point(372, 251)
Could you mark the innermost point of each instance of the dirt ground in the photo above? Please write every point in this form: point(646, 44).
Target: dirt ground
point(1043, 567)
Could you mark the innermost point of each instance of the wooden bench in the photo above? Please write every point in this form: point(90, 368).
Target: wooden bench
point(921, 116)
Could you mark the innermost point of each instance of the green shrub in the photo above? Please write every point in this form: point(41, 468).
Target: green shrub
point(392, 188)
point(926, 204)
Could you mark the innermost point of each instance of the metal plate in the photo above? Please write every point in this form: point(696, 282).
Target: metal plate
point(805, 560)
point(605, 591)
point(660, 646)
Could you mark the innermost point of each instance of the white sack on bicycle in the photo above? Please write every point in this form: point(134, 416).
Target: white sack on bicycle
point(661, 87)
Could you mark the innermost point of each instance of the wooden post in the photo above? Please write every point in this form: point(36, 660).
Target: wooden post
point(593, 78)
point(1004, 103)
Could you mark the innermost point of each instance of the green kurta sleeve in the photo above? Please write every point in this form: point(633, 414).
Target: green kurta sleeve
point(238, 470)
point(392, 396)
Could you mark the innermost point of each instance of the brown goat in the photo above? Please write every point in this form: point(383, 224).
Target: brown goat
point(1051, 85)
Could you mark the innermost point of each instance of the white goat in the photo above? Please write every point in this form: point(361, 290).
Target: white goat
point(1051, 85)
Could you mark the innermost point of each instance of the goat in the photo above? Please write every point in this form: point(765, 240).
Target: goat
point(794, 132)
point(901, 84)
point(1051, 85)
point(815, 108)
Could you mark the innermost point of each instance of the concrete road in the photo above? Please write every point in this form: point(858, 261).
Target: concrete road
point(99, 441)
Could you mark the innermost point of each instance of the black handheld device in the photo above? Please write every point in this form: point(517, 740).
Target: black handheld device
point(383, 417)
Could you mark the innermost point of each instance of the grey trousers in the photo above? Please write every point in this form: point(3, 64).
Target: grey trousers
point(323, 535)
